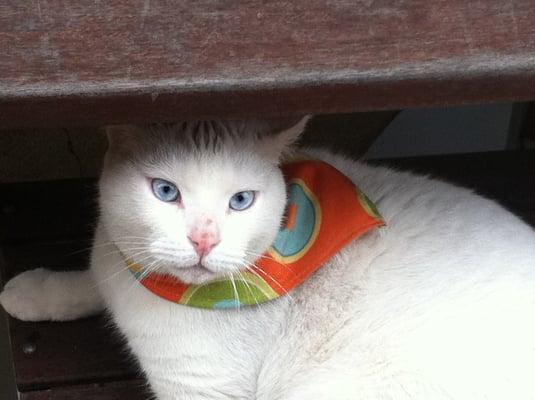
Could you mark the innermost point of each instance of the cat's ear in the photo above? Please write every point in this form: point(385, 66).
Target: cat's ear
point(280, 142)
point(122, 137)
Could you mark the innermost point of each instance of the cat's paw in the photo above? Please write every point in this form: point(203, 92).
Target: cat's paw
point(24, 296)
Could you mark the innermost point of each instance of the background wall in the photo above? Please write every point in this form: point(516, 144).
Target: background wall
point(46, 154)
point(445, 130)
point(28, 155)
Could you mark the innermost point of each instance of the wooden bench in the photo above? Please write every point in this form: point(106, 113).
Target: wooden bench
point(96, 62)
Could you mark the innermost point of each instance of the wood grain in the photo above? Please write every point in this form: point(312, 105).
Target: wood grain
point(67, 353)
point(94, 61)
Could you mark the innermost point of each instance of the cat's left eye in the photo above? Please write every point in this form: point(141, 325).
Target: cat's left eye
point(242, 200)
point(165, 190)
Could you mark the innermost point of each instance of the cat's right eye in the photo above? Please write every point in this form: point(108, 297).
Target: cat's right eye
point(242, 200)
point(165, 190)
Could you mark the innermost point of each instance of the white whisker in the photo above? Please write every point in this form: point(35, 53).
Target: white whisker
point(237, 296)
point(255, 269)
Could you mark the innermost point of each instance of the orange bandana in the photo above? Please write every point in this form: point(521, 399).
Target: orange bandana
point(325, 212)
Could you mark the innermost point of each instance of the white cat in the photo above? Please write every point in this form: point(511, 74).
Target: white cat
point(439, 304)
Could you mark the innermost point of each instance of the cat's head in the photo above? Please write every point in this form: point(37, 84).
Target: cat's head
point(196, 200)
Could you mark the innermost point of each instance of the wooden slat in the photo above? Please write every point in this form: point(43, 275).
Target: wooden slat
point(125, 390)
point(139, 60)
point(67, 353)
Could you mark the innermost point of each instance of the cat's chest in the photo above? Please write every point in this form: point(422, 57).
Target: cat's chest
point(192, 358)
point(188, 350)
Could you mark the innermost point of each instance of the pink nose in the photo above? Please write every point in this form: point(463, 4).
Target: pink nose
point(203, 242)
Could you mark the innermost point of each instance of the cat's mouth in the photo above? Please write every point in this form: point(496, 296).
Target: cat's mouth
point(195, 274)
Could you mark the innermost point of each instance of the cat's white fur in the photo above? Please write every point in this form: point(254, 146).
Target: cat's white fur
point(439, 304)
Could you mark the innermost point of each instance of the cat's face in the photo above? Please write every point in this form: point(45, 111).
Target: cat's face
point(197, 200)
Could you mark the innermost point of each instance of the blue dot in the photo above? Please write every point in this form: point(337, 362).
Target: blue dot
point(290, 242)
point(223, 304)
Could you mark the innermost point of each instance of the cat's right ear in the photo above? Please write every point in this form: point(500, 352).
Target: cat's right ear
point(122, 137)
point(281, 141)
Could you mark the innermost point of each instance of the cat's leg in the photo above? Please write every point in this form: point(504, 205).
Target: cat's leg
point(41, 294)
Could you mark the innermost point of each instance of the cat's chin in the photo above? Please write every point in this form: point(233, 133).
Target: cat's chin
point(195, 275)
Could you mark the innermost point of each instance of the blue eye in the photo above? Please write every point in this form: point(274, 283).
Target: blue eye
point(164, 190)
point(242, 200)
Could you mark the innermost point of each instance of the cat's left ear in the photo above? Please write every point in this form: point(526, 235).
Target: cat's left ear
point(281, 141)
point(123, 138)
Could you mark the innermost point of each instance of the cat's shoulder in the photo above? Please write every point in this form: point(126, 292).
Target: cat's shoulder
point(406, 198)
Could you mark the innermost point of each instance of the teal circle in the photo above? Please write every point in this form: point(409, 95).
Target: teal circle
point(291, 242)
point(226, 304)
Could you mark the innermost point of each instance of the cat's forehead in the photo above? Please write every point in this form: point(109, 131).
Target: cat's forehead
point(234, 146)
point(228, 164)
point(210, 152)
point(199, 143)
point(210, 135)
point(213, 135)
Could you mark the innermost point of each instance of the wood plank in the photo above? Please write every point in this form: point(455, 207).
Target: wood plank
point(139, 60)
point(53, 354)
point(131, 390)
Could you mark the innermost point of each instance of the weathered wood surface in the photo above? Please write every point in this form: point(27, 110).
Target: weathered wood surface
point(143, 60)
point(85, 357)
point(54, 354)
